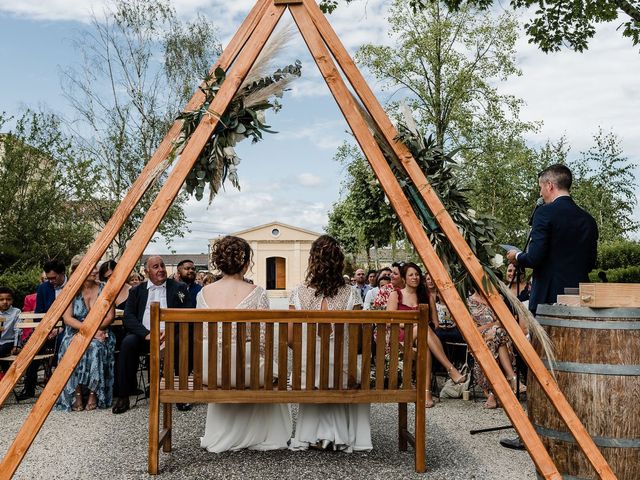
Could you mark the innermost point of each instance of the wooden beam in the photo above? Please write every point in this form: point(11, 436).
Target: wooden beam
point(466, 255)
point(140, 240)
point(156, 165)
point(412, 226)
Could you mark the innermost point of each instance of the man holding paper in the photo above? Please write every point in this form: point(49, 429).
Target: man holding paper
point(563, 243)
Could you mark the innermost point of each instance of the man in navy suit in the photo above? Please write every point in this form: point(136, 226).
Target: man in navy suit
point(46, 293)
point(562, 249)
point(158, 288)
point(563, 245)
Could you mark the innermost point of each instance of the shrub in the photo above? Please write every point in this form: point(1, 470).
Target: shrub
point(619, 254)
point(23, 282)
point(619, 275)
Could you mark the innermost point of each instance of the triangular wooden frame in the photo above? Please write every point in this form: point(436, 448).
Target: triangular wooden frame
point(242, 52)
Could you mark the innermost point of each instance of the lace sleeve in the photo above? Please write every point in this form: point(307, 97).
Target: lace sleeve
point(294, 297)
point(263, 301)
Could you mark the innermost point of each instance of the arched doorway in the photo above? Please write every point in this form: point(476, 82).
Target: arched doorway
point(276, 273)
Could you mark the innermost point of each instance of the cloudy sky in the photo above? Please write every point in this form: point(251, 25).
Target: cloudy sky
point(291, 176)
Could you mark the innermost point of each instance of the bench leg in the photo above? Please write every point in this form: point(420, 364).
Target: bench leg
point(166, 423)
point(402, 427)
point(154, 427)
point(420, 437)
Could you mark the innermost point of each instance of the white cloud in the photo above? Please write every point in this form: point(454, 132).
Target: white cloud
point(309, 180)
point(325, 135)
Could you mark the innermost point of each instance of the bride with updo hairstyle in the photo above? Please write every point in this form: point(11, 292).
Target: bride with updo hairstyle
point(235, 427)
point(343, 427)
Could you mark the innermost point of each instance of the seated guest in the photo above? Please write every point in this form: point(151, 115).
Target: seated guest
point(94, 371)
point(498, 342)
point(105, 272)
point(137, 322)
point(187, 275)
point(408, 298)
point(381, 299)
point(383, 276)
point(372, 277)
point(46, 293)
point(209, 278)
point(10, 340)
point(517, 283)
point(445, 328)
point(135, 279)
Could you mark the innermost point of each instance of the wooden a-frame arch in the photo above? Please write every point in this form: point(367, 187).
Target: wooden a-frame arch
point(241, 53)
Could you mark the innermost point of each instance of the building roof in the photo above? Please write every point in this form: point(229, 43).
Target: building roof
point(276, 224)
point(174, 259)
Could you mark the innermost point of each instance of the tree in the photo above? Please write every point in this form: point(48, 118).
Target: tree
point(555, 22)
point(448, 63)
point(362, 219)
point(604, 185)
point(46, 188)
point(139, 65)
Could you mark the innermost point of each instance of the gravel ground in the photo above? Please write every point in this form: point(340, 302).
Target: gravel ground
point(98, 443)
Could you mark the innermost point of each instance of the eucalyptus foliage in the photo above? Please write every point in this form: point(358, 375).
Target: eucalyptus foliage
point(242, 119)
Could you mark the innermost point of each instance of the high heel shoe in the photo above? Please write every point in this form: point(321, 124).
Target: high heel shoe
point(429, 403)
point(92, 402)
point(513, 381)
point(461, 379)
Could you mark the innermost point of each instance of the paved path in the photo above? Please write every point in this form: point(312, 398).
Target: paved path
point(87, 444)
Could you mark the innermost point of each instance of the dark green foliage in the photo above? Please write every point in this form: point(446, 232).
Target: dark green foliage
point(23, 283)
point(618, 275)
point(620, 254)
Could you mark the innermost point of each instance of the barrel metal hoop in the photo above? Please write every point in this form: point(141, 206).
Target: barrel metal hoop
point(595, 368)
point(588, 324)
point(606, 442)
point(582, 312)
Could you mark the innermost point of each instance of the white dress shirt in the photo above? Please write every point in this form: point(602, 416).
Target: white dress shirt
point(157, 293)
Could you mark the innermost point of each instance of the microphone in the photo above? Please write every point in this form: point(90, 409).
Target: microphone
point(539, 203)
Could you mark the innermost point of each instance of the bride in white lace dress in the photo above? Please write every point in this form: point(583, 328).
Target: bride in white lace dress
point(238, 426)
point(343, 427)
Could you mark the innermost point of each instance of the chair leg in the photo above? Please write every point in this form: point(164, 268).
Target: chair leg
point(166, 423)
point(402, 427)
point(420, 437)
point(154, 433)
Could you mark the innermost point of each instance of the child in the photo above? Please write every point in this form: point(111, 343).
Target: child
point(10, 316)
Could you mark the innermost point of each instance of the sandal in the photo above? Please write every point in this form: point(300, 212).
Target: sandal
point(429, 403)
point(92, 402)
point(77, 405)
point(490, 405)
point(513, 381)
point(461, 379)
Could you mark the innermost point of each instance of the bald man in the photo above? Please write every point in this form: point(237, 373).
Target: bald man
point(137, 322)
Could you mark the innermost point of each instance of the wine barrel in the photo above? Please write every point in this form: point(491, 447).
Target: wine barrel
point(598, 370)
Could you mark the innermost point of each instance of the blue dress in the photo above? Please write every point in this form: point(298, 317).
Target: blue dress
point(95, 368)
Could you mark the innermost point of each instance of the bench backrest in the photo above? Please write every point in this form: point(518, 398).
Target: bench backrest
point(339, 342)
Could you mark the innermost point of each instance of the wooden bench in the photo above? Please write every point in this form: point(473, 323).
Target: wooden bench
point(286, 385)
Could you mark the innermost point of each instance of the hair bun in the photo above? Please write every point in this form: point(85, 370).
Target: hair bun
point(230, 254)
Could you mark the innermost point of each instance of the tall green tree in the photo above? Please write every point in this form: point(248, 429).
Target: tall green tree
point(46, 189)
point(362, 219)
point(138, 66)
point(448, 65)
point(605, 186)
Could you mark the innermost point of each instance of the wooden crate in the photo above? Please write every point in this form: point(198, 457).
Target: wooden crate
point(569, 300)
point(607, 295)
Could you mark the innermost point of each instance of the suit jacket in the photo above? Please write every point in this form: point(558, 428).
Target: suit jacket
point(45, 296)
point(137, 302)
point(562, 250)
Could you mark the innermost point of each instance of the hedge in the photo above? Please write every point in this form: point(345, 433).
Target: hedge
point(618, 255)
point(618, 275)
point(22, 282)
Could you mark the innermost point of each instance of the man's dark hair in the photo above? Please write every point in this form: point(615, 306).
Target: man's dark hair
point(54, 265)
point(182, 262)
point(558, 174)
point(7, 290)
point(370, 272)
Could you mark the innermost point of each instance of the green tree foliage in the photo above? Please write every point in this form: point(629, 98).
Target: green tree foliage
point(139, 65)
point(555, 23)
point(605, 186)
point(448, 64)
point(618, 254)
point(46, 189)
point(362, 219)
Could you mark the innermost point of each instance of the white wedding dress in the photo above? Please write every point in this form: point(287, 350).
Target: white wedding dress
point(231, 427)
point(345, 426)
